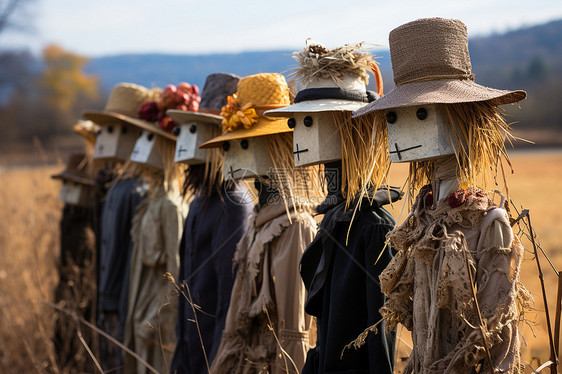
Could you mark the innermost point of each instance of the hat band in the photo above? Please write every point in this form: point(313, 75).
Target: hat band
point(436, 77)
point(331, 93)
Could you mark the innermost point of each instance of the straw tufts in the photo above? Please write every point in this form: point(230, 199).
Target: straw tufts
point(317, 62)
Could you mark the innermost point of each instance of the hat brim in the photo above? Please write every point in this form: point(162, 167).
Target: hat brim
point(74, 178)
point(182, 117)
point(106, 118)
point(440, 91)
point(263, 127)
point(320, 105)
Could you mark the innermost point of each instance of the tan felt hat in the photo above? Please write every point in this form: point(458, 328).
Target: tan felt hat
point(76, 170)
point(431, 65)
point(243, 115)
point(87, 129)
point(124, 104)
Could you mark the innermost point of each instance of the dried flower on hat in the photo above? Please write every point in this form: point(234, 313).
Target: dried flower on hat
point(235, 115)
point(183, 97)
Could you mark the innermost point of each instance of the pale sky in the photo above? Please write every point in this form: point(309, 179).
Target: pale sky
point(106, 27)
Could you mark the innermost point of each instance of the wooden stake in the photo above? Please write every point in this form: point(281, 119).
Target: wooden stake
point(553, 353)
point(557, 321)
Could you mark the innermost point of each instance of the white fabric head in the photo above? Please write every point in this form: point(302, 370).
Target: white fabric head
point(418, 133)
point(115, 141)
point(191, 136)
point(145, 152)
point(316, 139)
point(246, 158)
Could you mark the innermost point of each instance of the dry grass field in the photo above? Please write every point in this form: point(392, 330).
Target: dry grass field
point(29, 221)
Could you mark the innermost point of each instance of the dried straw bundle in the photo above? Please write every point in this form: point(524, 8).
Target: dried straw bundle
point(207, 177)
point(171, 174)
point(297, 186)
point(316, 61)
point(365, 159)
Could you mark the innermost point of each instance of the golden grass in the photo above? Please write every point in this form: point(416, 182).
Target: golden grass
point(29, 241)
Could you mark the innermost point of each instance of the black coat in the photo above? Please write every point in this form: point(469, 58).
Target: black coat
point(116, 245)
point(212, 229)
point(343, 287)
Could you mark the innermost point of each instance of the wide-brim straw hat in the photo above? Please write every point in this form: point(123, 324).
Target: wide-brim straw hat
point(76, 170)
point(217, 88)
point(260, 92)
point(87, 129)
point(124, 104)
point(431, 65)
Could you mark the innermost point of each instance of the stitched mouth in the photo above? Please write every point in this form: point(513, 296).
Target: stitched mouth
point(299, 151)
point(398, 151)
point(231, 172)
point(181, 150)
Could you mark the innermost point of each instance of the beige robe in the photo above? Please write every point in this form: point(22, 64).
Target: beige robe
point(428, 288)
point(152, 309)
point(268, 292)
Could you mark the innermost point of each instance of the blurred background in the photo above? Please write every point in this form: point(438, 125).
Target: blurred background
point(61, 57)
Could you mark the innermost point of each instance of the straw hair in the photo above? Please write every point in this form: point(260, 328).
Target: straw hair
point(365, 159)
point(298, 187)
point(172, 172)
point(207, 177)
point(317, 62)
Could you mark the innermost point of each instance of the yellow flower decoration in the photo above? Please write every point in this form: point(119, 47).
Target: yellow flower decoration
point(234, 115)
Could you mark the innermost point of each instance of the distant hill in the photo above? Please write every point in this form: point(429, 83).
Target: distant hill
point(529, 58)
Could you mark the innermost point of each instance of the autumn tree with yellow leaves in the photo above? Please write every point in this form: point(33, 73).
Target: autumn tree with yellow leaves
point(49, 106)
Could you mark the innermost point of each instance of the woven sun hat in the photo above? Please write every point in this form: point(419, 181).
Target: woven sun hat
point(243, 116)
point(214, 96)
point(331, 80)
point(143, 107)
point(431, 65)
point(76, 170)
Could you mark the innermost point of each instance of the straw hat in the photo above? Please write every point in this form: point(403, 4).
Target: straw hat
point(76, 170)
point(431, 65)
point(331, 80)
point(243, 116)
point(124, 104)
point(217, 87)
point(87, 129)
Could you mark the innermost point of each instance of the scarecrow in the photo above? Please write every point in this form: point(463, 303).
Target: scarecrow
point(454, 282)
point(75, 291)
point(114, 143)
point(266, 327)
point(340, 267)
point(215, 223)
point(156, 232)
